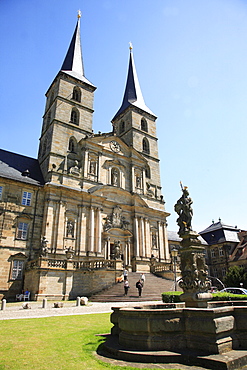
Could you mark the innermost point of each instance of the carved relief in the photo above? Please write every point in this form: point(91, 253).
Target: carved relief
point(115, 220)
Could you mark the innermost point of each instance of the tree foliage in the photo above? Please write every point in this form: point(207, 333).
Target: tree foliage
point(234, 276)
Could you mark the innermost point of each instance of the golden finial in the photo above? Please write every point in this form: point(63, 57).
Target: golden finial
point(130, 45)
point(79, 14)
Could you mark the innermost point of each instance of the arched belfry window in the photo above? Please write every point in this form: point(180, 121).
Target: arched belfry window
point(72, 145)
point(147, 172)
point(74, 118)
point(122, 127)
point(145, 145)
point(76, 94)
point(144, 125)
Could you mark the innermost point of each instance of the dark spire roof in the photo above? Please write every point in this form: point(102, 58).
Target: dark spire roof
point(73, 62)
point(133, 95)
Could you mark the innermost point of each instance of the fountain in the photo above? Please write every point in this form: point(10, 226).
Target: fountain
point(193, 332)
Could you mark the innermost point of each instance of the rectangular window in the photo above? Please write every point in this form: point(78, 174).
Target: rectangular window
point(215, 272)
point(26, 198)
point(22, 230)
point(212, 253)
point(221, 252)
point(17, 269)
point(1, 192)
point(223, 271)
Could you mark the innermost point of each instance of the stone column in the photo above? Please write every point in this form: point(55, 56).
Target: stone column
point(161, 241)
point(136, 241)
point(142, 246)
point(99, 167)
point(147, 237)
point(129, 255)
point(83, 229)
point(108, 246)
point(86, 163)
point(99, 230)
point(166, 245)
point(91, 230)
point(61, 224)
point(133, 178)
point(144, 181)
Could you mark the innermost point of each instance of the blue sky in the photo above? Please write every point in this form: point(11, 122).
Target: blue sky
point(191, 59)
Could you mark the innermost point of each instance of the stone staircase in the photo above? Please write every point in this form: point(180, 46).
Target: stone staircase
point(153, 288)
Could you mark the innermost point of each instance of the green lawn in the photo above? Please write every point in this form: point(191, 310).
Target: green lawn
point(54, 343)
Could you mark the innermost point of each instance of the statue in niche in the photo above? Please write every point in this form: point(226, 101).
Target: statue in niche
point(116, 250)
point(154, 241)
point(70, 229)
point(117, 217)
point(92, 168)
point(44, 248)
point(184, 210)
point(114, 177)
point(138, 182)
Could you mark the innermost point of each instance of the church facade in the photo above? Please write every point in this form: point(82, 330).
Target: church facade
point(90, 204)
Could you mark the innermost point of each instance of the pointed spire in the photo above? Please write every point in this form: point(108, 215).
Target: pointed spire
point(133, 94)
point(73, 62)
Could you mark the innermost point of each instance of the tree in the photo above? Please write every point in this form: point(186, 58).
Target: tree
point(234, 276)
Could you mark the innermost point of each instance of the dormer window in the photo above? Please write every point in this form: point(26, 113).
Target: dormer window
point(74, 118)
point(76, 94)
point(144, 125)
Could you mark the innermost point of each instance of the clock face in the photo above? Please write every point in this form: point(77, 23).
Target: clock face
point(115, 147)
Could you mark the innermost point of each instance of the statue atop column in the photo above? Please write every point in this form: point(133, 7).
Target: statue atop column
point(185, 212)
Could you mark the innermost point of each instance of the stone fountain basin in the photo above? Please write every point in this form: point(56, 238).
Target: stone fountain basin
point(173, 327)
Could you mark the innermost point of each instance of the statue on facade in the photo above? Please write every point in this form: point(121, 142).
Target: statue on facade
point(184, 210)
point(70, 229)
point(44, 248)
point(116, 250)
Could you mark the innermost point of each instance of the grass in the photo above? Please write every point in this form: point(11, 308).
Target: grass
point(57, 343)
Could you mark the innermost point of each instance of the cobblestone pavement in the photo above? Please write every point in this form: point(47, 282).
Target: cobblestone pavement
point(16, 311)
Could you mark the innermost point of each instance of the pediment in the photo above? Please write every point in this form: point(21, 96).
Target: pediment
point(114, 145)
point(118, 195)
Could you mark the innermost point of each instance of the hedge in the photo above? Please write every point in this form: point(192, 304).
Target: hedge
point(174, 297)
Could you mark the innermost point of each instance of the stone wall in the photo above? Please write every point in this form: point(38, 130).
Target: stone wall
point(66, 284)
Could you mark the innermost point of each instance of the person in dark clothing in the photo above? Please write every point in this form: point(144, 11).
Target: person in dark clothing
point(139, 286)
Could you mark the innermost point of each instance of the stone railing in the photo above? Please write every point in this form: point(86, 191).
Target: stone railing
point(70, 264)
point(95, 264)
point(160, 267)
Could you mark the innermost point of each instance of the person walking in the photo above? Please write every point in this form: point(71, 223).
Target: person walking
point(126, 287)
point(125, 274)
point(142, 278)
point(139, 287)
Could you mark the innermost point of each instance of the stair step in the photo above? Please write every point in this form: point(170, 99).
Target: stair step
point(153, 288)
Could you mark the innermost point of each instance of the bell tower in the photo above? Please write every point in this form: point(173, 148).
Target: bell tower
point(68, 111)
point(135, 124)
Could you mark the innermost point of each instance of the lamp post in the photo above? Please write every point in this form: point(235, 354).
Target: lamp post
point(174, 253)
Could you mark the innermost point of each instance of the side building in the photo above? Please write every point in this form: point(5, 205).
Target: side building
point(222, 240)
point(90, 204)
